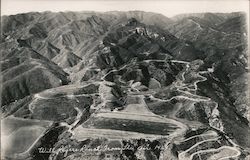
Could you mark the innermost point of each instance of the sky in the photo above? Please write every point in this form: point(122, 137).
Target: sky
point(168, 8)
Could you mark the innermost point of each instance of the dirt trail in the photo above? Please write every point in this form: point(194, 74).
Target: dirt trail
point(188, 94)
point(215, 112)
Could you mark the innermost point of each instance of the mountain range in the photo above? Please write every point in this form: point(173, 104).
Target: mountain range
point(139, 79)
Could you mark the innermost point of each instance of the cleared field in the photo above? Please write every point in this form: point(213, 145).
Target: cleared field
point(132, 116)
point(19, 135)
point(145, 127)
point(81, 134)
point(136, 105)
point(22, 139)
point(11, 124)
point(135, 121)
point(70, 90)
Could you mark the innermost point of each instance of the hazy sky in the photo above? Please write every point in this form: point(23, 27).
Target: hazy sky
point(165, 7)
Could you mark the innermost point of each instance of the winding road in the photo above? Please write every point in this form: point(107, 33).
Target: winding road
point(215, 113)
point(185, 89)
point(188, 92)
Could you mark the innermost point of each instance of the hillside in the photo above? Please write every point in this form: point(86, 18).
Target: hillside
point(167, 88)
point(66, 59)
point(22, 69)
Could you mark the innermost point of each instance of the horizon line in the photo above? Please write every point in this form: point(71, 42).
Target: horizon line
point(168, 8)
point(86, 11)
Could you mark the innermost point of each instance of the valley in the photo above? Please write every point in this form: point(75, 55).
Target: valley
point(148, 86)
